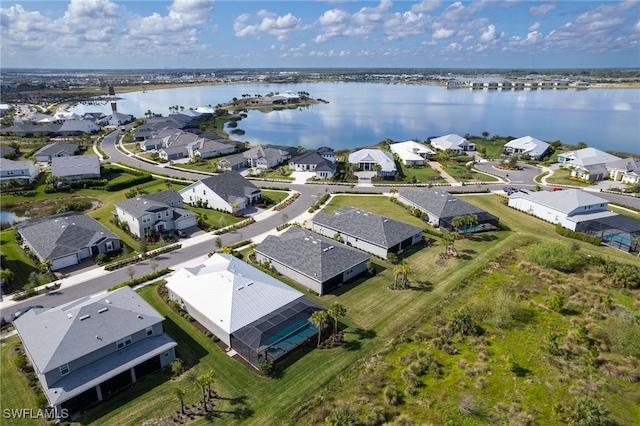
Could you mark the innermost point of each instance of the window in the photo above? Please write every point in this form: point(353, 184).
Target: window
point(166, 213)
point(149, 331)
point(159, 215)
point(109, 245)
point(124, 342)
point(64, 369)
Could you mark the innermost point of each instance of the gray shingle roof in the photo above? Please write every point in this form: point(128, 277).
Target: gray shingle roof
point(230, 183)
point(59, 335)
point(313, 255)
point(62, 234)
point(370, 227)
point(139, 206)
point(7, 164)
point(57, 148)
point(170, 197)
point(75, 165)
point(440, 203)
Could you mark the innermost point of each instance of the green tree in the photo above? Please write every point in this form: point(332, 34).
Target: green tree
point(45, 266)
point(200, 382)
point(179, 394)
point(485, 135)
point(130, 271)
point(557, 302)
point(218, 243)
point(6, 275)
point(581, 145)
point(336, 311)
point(319, 319)
point(144, 246)
point(587, 412)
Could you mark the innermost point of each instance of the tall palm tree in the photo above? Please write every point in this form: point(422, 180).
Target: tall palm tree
point(471, 220)
point(210, 380)
point(180, 393)
point(319, 319)
point(406, 270)
point(457, 222)
point(336, 310)
point(201, 383)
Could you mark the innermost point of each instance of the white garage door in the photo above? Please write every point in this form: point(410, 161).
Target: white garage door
point(187, 223)
point(63, 262)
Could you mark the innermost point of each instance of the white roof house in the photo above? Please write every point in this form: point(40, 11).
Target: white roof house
point(366, 159)
point(527, 145)
point(568, 207)
point(229, 293)
point(586, 157)
point(455, 143)
point(411, 153)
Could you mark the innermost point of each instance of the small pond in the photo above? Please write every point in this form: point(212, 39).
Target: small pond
point(11, 217)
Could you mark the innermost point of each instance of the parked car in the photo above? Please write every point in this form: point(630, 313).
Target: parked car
point(3, 322)
point(16, 314)
point(180, 233)
point(509, 190)
point(557, 189)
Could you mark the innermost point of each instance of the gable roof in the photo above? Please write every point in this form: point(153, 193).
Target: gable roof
point(230, 184)
point(230, 292)
point(588, 157)
point(75, 165)
point(564, 201)
point(313, 255)
point(410, 150)
point(450, 141)
point(62, 234)
point(4, 150)
point(7, 165)
point(170, 197)
point(441, 204)
point(368, 155)
point(529, 145)
point(370, 227)
point(630, 164)
point(84, 126)
point(67, 332)
point(155, 202)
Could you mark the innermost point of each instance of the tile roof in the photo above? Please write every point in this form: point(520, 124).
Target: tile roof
point(370, 227)
point(67, 332)
point(313, 255)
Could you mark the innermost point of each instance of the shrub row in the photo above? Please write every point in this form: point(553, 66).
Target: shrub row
point(141, 280)
point(275, 188)
point(283, 226)
point(233, 227)
point(117, 186)
point(318, 203)
point(239, 244)
point(122, 263)
point(565, 232)
point(284, 203)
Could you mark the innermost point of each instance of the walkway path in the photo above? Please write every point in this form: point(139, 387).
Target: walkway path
point(446, 176)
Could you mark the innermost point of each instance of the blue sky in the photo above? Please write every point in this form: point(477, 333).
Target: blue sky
point(284, 34)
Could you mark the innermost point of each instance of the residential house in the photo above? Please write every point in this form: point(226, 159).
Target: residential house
point(76, 167)
point(368, 159)
point(327, 153)
point(159, 212)
point(314, 161)
point(78, 127)
point(625, 170)
point(454, 142)
point(260, 157)
point(7, 152)
point(412, 153)
point(442, 208)
point(587, 163)
point(19, 170)
point(568, 208)
point(86, 350)
point(367, 231)
point(56, 149)
point(96, 117)
point(250, 311)
point(31, 130)
point(229, 191)
point(527, 146)
point(118, 118)
point(66, 238)
point(314, 261)
point(208, 148)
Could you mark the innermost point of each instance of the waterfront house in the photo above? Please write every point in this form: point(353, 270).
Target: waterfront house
point(412, 153)
point(453, 142)
point(527, 146)
point(314, 161)
point(368, 159)
point(229, 191)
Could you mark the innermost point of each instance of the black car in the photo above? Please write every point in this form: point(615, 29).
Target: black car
point(509, 190)
point(16, 314)
point(3, 322)
point(180, 233)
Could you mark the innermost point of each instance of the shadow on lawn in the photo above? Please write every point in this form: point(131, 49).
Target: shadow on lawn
point(421, 286)
point(189, 350)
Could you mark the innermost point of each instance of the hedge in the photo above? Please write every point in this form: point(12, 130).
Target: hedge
point(141, 280)
point(284, 203)
point(117, 186)
point(565, 232)
point(318, 203)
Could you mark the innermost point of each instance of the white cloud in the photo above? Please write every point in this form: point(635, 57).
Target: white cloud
point(534, 26)
point(453, 47)
point(279, 26)
point(489, 34)
point(441, 33)
point(425, 6)
point(542, 9)
point(402, 25)
point(467, 38)
point(337, 22)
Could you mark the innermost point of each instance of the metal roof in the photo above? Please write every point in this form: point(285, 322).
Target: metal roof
point(565, 201)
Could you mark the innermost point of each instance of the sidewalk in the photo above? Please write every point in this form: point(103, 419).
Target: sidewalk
point(446, 176)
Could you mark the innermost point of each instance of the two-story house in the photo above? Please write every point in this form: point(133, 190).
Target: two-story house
point(160, 212)
point(229, 191)
point(20, 170)
point(86, 350)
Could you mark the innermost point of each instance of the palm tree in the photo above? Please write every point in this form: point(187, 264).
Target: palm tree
point(6, 275)
point(319, 318)
point(201, 382)
point(406, 270)
point(471, 220)
point(210, 379)
point(393, 191)
point(397, 272)
point(457, 222)
point(336, 310)
point(179, 393)
point(45, 266)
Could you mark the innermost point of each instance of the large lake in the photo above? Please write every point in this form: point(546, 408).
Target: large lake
point(361, 114)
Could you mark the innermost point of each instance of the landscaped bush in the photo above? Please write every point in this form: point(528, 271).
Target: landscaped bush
point(555, 256)
point(565, 232)
point(141, 280)
point(137, 180)
point(318, 203)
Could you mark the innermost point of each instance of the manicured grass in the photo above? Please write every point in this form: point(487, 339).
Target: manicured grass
point(494, 147)
point(563, 177)
point(378, 204)
point(14, 389)
point(275, 196)
point(624, 212)
point(421, 174)
point(216, 219)
point(15, 259)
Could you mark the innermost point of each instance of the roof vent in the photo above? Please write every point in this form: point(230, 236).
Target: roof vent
point(107, 301)
point(102, 310)
point(139, 316)
point(249, 284)
point(84, 317)
point(240, 288)
point(69, 315)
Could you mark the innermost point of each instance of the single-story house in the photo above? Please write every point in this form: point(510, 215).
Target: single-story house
point(626, 170)
point(20, 170)
point(78, 127)
point(442, 208)
point(454, 142)
point(312, 161)
point(368, 159)
point(118, 118)
point(229, 191)
point(527, 146)
point(259, 156)
point(96, 117)
point(170, 153)
point(412, 153)
point(56, 149)
point(66, 238)
point(30, 130)
point(312, 260)
point(88, 349)
point(367, 231)
point(620, 232)
point(76, 167)
point(208, 148)
point(568, 208)
point(7, 151)
point(159, 211)
point(250, 311)
point(586, 157)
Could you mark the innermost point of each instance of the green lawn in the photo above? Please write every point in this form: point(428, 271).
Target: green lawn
point(494, 147)
point(421, 174)
point(563, 177)
point(15, 259)
point(275, 196)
